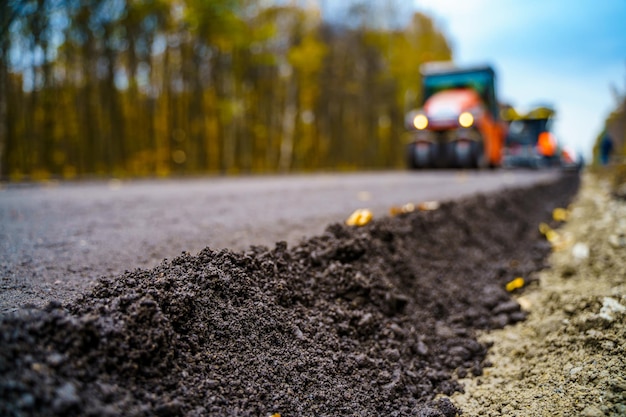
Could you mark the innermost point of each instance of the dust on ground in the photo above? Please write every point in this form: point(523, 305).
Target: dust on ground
point(569, 356)
point(380, 319)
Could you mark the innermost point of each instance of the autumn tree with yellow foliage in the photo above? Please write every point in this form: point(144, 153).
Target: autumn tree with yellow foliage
point(175, 87)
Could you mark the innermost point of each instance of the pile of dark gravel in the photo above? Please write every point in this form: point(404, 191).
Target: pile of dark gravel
point(376, 320)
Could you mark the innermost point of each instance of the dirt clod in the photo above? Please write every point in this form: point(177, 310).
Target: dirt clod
point(374, 320)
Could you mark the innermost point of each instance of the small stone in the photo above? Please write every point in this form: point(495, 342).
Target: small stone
point(580, 251)
point(517, 316)
point(524, 303)
point(617, 241)
point(298, 333)
point(392, 354)
point(608, 345)
point(38, 367)
point(422, 349)
point(66, 397)
point(500, 320)
point(398, 331)
point(54, 359)
point(610, 308)
point(26, 401)
point(460, 352)
point(575, 370)
point(365, 319)
point(362, 360)
point(506, 307)
point(569, 309)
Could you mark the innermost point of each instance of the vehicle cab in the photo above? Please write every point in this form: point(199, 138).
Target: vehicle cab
point(529, 142)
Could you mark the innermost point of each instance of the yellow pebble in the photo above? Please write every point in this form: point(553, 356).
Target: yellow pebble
point(552, 236)
point(515, 284)
point(428, 205)
point(408, 207)
point(559, 214)
point(544, 228)
point(359, 217)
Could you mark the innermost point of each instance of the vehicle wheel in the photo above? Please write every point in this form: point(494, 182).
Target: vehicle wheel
point(537, 163)
point(412, 160)
point(411, 163)
point(464, 154)
point(418, 156)
point(479, 160)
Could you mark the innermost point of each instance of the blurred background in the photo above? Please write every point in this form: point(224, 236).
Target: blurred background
point(570, 56)
point(152, 88)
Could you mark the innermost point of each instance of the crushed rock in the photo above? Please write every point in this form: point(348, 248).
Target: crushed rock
point(569, 356)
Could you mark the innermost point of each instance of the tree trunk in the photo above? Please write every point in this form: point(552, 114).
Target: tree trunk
point(4, 121)
point(285, 160)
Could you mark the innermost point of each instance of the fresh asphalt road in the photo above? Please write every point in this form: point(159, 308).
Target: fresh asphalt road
point(56, 239)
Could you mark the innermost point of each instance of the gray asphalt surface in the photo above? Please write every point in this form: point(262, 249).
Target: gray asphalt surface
point(56, 239)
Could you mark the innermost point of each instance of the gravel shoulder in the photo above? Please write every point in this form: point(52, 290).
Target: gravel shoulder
point(569, 356)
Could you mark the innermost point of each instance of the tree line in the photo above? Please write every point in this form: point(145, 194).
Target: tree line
point(160, 87)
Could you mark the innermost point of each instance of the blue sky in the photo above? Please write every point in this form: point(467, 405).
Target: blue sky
point(566, 53)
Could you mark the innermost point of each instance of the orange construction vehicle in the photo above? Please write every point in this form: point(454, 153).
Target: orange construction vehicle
point(529, 142)
point(458, 124)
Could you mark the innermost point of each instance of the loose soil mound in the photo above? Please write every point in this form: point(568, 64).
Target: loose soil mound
point(374, 320)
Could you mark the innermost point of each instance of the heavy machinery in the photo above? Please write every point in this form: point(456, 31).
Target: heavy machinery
point(458, 123)
point(529, 142)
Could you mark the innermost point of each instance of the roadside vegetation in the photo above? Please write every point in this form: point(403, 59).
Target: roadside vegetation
point(614, 131)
